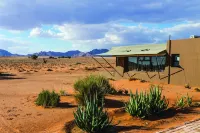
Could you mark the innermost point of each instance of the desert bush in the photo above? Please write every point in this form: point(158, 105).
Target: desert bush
point(47, 99)
point(34, 57)
point(120, 91)
point(112, 79)
point(112, 90)
point(63, 93)
point(184, 102)
point(90, 68)
point(125, 92)
point(49, 69)
point(65, 57)
point(77, 63)
point(144, 104)
point(187, 86)
point(51, 57)
point(143, 81)
point(92, 118)
point(87, 86)
point(132, 79)
point(197, 89)
point(44, 61)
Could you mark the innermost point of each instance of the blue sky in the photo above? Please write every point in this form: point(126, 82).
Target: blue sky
point(50, 25)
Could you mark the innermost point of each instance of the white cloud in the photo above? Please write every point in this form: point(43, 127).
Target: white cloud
point(88, 36)
point(39, 32)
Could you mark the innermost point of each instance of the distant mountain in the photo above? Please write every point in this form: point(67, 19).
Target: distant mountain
point(72, 53)
point(98, 51)
point(4, 53)
point(51, 53)
point(91, 53)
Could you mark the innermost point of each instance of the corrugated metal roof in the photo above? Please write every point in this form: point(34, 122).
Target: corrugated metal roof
point(143, 49)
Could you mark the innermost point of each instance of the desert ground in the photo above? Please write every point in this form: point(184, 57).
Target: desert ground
point(21, 79)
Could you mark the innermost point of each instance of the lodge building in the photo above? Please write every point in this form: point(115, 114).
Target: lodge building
point(177, 62)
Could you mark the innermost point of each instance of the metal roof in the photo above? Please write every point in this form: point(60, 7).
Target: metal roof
point(143, 49)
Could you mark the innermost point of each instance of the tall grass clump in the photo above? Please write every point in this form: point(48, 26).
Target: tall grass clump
point(145, 104)
point(184, 102)
point(48, 99)
point(92, 118)
point(89, 85)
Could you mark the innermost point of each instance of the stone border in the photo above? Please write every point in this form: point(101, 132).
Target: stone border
point(172, 128)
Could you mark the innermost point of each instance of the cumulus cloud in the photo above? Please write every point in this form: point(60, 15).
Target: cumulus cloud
point(21, 15)
point(89, 36)
point(39, 32)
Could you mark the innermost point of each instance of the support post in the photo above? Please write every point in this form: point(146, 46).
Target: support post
point(102, 65)
point(169, 60)
point(111, 66)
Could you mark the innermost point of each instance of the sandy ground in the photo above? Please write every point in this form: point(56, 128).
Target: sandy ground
point(24, 78)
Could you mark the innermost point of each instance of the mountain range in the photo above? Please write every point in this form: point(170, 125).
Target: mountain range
point(72, 53)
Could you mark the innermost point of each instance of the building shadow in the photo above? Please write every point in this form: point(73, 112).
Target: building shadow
point(169, 113)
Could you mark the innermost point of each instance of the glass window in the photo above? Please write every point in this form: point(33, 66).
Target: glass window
point(175, 60)
point(147, 63)
point(132, 63)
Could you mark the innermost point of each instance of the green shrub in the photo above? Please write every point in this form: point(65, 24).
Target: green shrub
point(34, 57)
point(184, 102)
point(87, 86)
point(91, 118)
point(144, 104)
point(48, 99)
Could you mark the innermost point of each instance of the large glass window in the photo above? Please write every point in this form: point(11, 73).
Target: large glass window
point(132, 63)
point(147, 63)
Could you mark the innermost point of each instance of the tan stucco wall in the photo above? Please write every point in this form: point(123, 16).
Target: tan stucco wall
point(189, 50)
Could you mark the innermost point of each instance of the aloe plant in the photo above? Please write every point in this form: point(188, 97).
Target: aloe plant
point(91, 118)
point(184, 102)
point(144, 104)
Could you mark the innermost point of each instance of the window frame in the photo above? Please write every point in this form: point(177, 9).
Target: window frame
point(174, 61)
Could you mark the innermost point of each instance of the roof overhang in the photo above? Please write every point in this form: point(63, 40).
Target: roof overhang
point(137, 50)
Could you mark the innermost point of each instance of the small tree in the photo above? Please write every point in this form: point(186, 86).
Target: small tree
point(34, 57)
